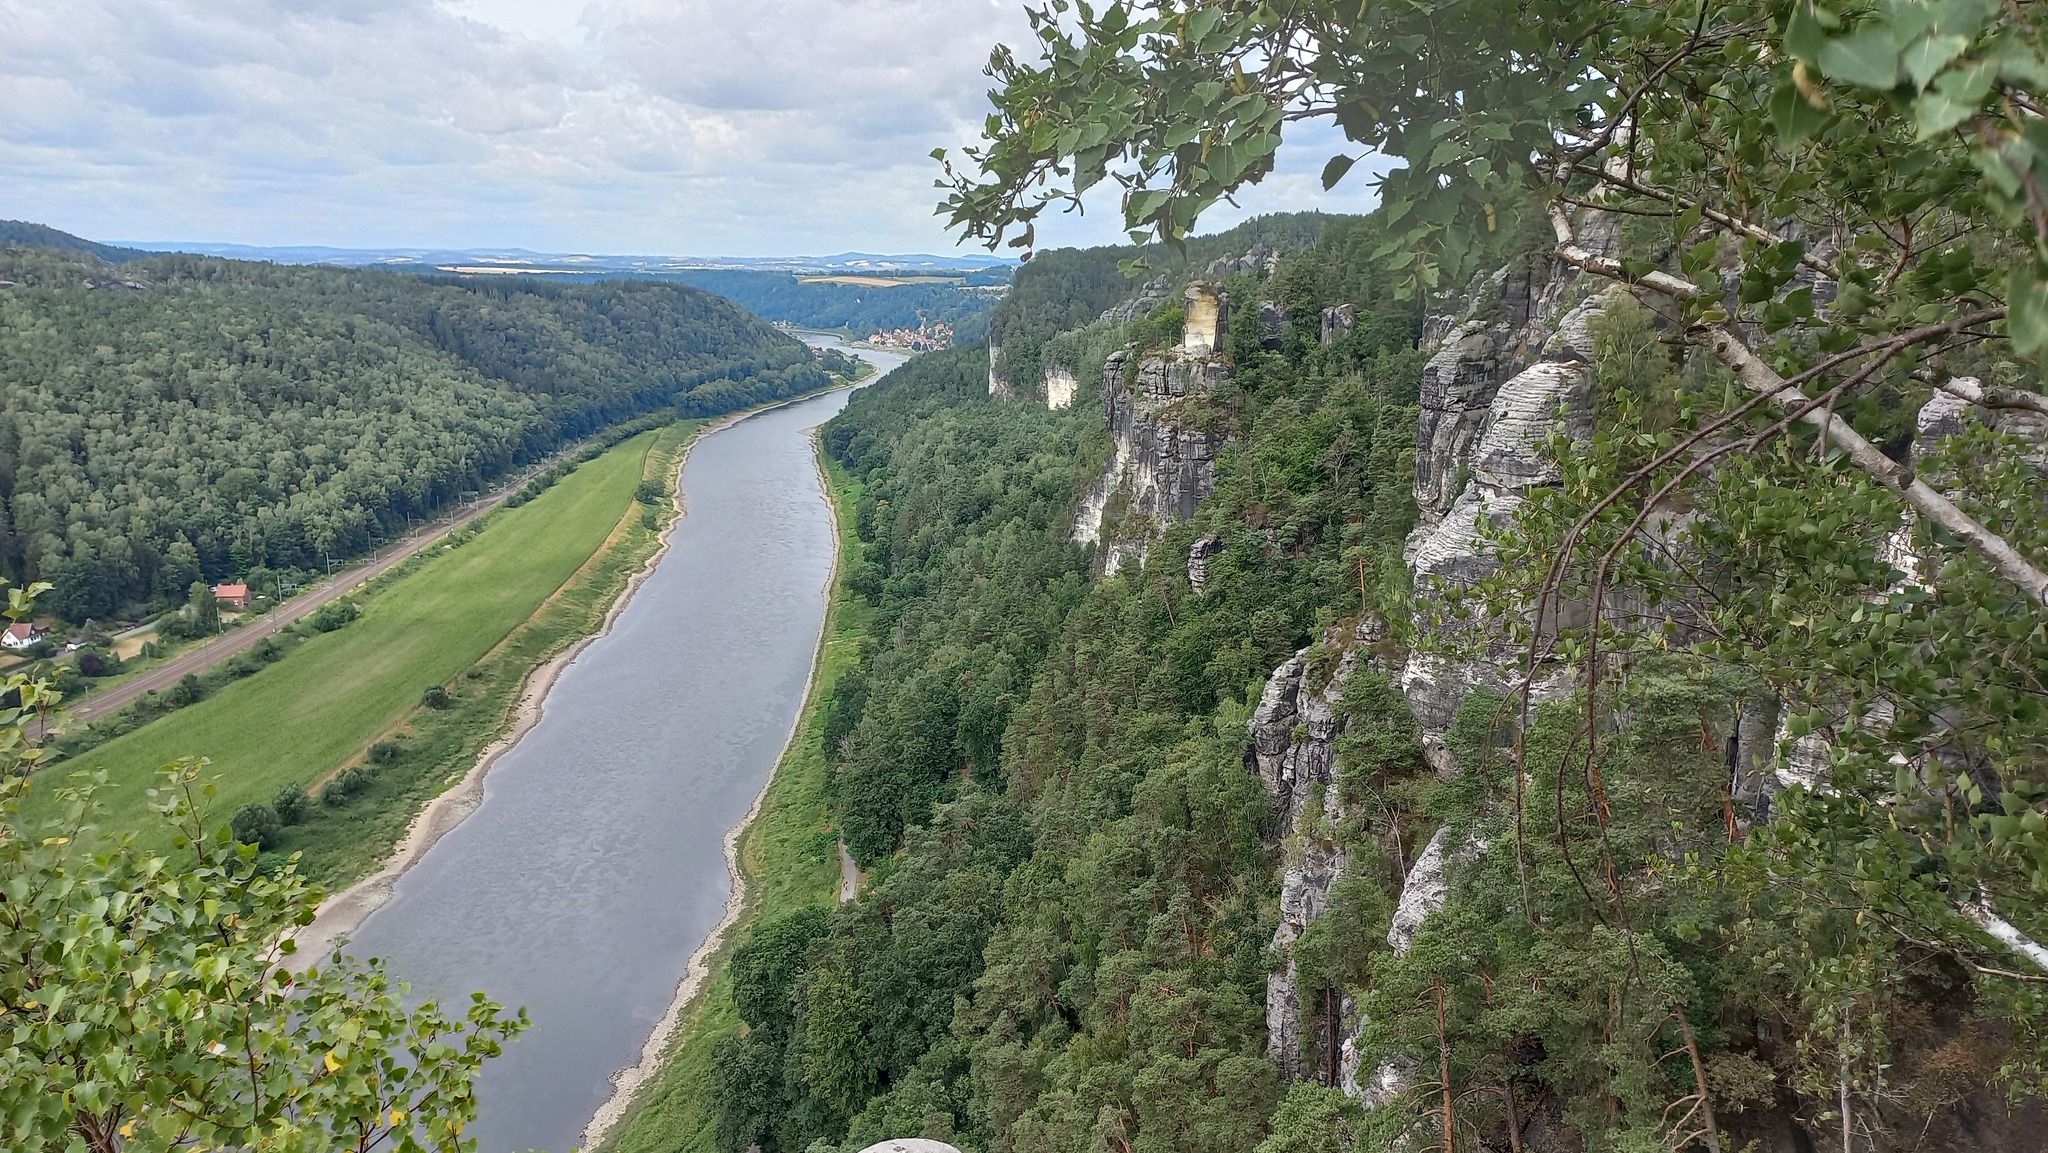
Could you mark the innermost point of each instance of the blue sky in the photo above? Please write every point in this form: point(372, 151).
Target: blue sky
point(682, 127)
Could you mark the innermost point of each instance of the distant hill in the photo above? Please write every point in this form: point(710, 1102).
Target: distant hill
point(202, 419)
point(43, 236)
point(512, 261)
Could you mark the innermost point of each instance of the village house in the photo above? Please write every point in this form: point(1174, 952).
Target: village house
point(232, 596)
point(20, 635)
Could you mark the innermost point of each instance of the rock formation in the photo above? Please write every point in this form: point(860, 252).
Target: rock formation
point(1166, 437)
point(998, 385)
point(1207, 319)
point(1060, 385)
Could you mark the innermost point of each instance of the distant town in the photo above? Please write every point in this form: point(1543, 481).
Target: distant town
point(924, 338)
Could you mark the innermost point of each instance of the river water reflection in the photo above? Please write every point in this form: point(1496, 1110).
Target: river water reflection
point(595, 865)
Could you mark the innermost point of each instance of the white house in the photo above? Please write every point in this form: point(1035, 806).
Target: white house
point(20, 635)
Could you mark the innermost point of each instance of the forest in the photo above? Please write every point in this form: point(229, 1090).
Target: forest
point(862, 310)
point(177, 418)
point(1047, 771)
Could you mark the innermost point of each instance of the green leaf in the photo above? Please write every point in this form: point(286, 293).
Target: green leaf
point(1804, 36)
point(1925, 58)
point(1866, 58)
point(1793, 117)
point(1936, 113)
point(2027, 298)
point(1335, 170)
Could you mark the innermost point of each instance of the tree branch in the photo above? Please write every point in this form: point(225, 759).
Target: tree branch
point(1976, 392)
point(1729, 348)
point(1938, 509)
point(1979, 912)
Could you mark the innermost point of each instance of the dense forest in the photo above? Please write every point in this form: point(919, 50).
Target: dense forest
point(1048, 772)
point(862, 310)
point(180, 418)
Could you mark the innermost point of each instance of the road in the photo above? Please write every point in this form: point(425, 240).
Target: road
point(228, 644)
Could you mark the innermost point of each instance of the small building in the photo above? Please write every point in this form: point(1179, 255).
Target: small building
point(20, 635)
point(232, 596)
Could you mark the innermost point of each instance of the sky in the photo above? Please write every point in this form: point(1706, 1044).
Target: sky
point(673, 127)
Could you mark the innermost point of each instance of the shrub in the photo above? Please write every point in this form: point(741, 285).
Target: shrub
point(384, 753)
point(257, 825)
point(189, 690)
point(650, 520)
point(436, 697)
point(290, 804)
point(268, 651)
point(151, 650)
point(345, 785)
point(334, 615)
point(92, 664)
point(650, 492)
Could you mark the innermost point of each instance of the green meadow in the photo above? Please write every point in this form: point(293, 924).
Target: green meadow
point(473, 616)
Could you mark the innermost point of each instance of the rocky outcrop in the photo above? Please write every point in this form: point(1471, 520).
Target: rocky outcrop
point(1060, 385)
point(1198, 561)
point(1258, 258)
point(1207, 319)
point(1511, 373)
point(998, 384)
point(1154, 293)
point(1272, 326)
point(1338, 320)
point(1293, 751)
point(1166, 446)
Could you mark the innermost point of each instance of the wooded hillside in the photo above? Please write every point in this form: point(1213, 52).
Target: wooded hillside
point(182, 418)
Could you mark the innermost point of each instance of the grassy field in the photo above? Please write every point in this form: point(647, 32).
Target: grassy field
point(789, 859)
point(474, 615)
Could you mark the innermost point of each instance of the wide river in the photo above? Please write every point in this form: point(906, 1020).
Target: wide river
point(595, 865)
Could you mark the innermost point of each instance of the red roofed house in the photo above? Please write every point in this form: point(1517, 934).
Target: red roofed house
point(20, 635)
point(232, 596)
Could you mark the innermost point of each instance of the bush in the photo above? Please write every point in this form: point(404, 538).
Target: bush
point(290, 804)
point(257, 825)
point(42, 650)
point(189, 690)
point(67, 680)
point(650, 492)
point(385, 753)
point(334, 615)
point(151, 650)
point(436, 697)
point(650, 520)
point(268, 651)
point(92, 663)
point(345, 785)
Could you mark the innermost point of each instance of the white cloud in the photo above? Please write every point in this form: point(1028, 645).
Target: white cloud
point(680, 126)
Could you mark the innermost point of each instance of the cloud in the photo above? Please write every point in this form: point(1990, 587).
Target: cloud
point(680, 126)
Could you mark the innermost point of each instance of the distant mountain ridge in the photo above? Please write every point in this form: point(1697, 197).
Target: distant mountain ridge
point(31, 235)
point(518, 260)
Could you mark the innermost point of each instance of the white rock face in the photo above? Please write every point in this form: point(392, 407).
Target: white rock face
point(997, 386)
point(1060, 387)
point(1207, 316)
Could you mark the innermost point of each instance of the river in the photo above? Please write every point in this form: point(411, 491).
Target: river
point(595, 865)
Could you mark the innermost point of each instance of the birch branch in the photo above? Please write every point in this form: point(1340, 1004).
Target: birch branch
point(1979, 912)
point(1729, 348)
